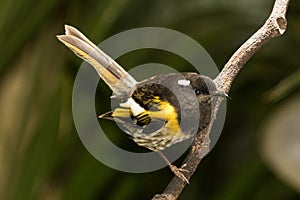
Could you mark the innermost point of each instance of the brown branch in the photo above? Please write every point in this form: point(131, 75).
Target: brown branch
point(274, 26)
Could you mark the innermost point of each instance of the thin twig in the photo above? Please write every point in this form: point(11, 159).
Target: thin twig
point(274, 26)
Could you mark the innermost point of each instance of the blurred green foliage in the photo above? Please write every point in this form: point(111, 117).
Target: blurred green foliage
point(40, 153)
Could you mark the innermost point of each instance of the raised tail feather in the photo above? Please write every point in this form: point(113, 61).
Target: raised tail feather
point(109, 71)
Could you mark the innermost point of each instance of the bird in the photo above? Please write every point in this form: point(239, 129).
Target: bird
point(157, 112)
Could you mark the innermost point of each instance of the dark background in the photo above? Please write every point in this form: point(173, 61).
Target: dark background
point(41, 155)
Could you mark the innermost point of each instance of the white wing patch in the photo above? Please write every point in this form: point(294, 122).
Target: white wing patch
point(134, 106)
point(183, 82)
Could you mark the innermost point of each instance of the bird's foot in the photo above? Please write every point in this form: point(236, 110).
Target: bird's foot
point(179, 173)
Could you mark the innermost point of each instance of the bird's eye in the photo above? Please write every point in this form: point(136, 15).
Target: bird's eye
point(197, 92)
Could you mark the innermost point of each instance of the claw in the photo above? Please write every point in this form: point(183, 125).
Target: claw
point(178, 172)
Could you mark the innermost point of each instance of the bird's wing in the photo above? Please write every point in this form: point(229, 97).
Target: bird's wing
point(109, 71)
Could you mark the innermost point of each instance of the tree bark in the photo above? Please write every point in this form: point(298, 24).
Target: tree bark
point(274, 26)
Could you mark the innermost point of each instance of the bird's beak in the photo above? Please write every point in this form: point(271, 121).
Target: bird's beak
point(219, 94)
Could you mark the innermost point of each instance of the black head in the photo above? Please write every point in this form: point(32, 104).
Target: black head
point(202, 85)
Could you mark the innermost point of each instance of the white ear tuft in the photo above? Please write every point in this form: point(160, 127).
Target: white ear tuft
point(183, 82)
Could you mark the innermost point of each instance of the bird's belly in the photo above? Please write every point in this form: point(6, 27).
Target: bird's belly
point(161, 140)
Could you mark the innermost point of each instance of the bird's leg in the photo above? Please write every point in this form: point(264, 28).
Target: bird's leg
point(177, 171)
